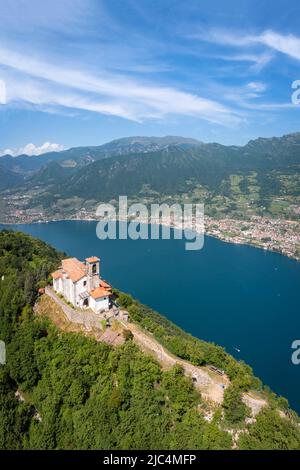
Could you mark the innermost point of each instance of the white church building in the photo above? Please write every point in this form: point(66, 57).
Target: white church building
point(80, 283)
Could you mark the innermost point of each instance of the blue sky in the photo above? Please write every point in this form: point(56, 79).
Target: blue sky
point(83, 72)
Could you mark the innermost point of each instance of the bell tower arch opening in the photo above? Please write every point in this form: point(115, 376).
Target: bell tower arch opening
point(93, 272)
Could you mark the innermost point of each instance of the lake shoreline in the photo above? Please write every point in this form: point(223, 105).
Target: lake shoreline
point(230, 240)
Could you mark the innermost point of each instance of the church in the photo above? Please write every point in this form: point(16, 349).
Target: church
point(81, 285)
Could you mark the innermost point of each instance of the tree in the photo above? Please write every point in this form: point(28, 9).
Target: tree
point(125, 300)
point(21, 358)
point(15, 417)
point(271, 432)
point(234, 408)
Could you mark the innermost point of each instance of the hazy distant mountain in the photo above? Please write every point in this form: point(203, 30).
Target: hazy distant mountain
point(50, 174)
point(82, 156)
point(177, 169)
point(8, 178)
point(23, 164)
point(144, 144)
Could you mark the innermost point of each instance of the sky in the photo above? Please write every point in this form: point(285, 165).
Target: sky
point(84, 72)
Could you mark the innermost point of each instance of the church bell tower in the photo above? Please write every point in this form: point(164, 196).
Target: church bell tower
point(93, 272)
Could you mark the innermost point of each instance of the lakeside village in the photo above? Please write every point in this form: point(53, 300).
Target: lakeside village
point(274, 234)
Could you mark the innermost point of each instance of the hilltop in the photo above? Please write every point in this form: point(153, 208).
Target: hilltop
point(63, 389)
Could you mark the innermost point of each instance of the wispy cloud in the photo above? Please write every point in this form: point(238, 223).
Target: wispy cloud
point(286, 44)
point(270, 106)
point(255, 88)
point(257, 61)
point(94, 58)
point(42, 83)
point(240, 94)
point(289, 45)
point(29, 16)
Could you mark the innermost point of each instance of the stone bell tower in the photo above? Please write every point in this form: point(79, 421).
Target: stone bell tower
point(93, 272)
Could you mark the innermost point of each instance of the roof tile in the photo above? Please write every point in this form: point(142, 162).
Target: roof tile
point(74, 268)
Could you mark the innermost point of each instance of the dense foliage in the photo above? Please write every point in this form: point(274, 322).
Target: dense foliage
point(270, 432)
point(235, 410)
point(187, 347)
point(25, 264)
point(66, 391)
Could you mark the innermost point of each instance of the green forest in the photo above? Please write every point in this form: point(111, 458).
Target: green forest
point(66, 391)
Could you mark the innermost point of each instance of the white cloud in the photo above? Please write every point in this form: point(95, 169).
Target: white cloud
point(289, 45)
point(286, 44)
point(240, 94)
point(270, 106)
point(259, 61)
point(254, 89)
point(31, 149)
point(43, 84)
point(256, 86)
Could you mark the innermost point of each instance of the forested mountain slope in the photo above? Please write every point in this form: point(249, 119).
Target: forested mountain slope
point(80, 156)
point(80, 394)
point(261, 178)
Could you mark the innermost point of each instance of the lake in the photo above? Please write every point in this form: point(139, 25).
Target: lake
point(236, 296)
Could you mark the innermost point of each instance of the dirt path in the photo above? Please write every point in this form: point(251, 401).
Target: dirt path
point(210, 384)
point(254, 403)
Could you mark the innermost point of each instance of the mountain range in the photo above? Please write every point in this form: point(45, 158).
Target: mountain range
point(261, 171)
point(81, 156)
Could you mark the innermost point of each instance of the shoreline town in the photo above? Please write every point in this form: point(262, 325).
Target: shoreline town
point(277, 235)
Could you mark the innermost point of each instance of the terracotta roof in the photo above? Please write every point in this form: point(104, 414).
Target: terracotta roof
point(57, 274)
point(99, 292)
point(74, 268)
point(104, 284)
point(92, 259)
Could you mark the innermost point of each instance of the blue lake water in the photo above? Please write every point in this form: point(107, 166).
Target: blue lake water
point(237, 296)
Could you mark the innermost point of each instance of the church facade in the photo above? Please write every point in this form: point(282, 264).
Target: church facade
point(81, 285)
